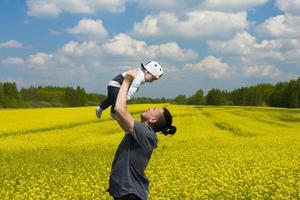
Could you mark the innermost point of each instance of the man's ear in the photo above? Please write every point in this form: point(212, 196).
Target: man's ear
point(153, 120)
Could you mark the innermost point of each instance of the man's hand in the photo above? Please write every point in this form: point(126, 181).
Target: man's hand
point(131, 74)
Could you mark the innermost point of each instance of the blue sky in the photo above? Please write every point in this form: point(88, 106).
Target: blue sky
point(201, 44)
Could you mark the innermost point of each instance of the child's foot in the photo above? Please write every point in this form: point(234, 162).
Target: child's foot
point(98, 112)
point(115, 116)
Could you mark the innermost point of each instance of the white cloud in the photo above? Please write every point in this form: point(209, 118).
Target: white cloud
point(213, 66)
point(290, 50)
point(173, 51)
point(240, 44)
point(13, 61)
point(170, 5)
point(196, 24)
point(11, 44)
point(90, 29)
point(86, 61)
point(179, 5)
point(258, 58)
point(244, 44)
point(263, 70)
point(75, 49)
point(40, 61)
point(53, 8)
point(42, 8)
point(289, 6)
point(233, 5)
point(57, 68)
point(124, 45)
point(281, 26)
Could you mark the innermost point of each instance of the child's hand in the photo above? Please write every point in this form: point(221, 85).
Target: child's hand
point(130, 75)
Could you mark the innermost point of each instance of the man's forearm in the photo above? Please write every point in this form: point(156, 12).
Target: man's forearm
point(126, 120)
point(121, 102)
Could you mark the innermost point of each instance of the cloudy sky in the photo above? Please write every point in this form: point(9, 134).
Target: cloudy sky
point(200, 43)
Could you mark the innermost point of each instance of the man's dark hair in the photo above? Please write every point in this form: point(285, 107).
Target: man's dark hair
point(164, 124)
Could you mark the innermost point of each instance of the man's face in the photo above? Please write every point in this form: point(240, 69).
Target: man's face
point(152, 114)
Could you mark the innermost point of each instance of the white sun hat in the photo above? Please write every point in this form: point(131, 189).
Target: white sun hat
point(154, 68)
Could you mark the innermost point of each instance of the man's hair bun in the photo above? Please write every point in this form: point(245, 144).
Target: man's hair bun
point(171, 130)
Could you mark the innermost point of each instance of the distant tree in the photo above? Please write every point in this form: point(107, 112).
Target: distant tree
point(216, 97)
point(71, 97)
point(94, 99)
point(196, 99)
point(1, 96)
point(50, 93)
point(29, 94)
point(11, 95)
point(290, 95)
point(252, 96)
point(138, 100)
point(298, 93)
point(257, 95)
point(162, 100)
point(10, 90)
point(238, 96)
point(277, 96)
point(181, 99)
point(264, 91)
point(81, 95)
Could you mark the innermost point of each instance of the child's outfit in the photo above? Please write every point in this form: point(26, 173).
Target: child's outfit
point(114, 85)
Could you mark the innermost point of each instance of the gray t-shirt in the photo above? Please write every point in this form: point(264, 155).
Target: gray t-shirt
point(131, 159)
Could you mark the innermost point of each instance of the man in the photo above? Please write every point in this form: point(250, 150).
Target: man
point(127, 178)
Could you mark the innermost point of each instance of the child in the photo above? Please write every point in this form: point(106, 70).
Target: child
point(148, 73)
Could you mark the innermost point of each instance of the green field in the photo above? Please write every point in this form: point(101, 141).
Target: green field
point(217, 153)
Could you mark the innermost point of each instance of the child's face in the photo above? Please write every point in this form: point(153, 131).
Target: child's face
point(149, 77)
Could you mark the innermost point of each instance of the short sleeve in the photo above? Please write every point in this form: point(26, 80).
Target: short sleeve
point(134, 87)
point(137, 81)
point(144, 136)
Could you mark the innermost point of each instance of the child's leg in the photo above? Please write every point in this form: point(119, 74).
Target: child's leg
point(104, 104)
point(108, 101)
point(113, 94)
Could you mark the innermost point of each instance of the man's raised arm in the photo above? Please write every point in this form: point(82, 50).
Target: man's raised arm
point(126, 120)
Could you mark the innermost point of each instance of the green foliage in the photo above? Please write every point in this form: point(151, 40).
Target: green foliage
point(197, 98)
point(9, 97)
point(75, 98)
point(257, 95)
point(140, 100)
point(10, 90)
point(47, 96)
point(81, 96)
point(94, 99)
point(1, 95)
point(276, 97)
point(216, 97)
point(291, 94)
point(181, 99)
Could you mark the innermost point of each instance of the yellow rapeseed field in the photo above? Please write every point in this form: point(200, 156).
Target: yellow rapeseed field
point(217, 153)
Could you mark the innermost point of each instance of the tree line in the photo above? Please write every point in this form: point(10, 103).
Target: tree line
point(282, 94)
point(47, 96)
